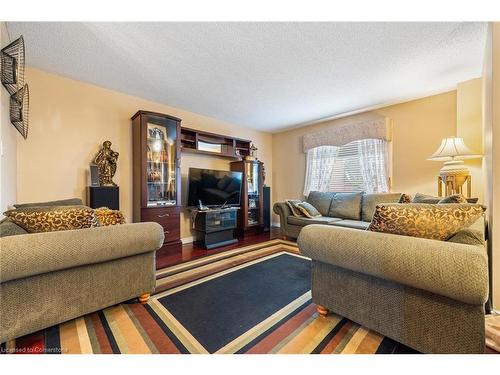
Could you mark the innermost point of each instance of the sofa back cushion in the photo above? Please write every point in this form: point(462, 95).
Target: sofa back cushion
point(370, 201)
point(346, 206)
point(63, 202)
point(9, 228)
point(432, 221)
point(321, 201)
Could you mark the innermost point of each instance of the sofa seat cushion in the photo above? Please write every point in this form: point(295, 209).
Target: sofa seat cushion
point(302, 221)
point(355, 224)
point(370, 201)
point(346, 206)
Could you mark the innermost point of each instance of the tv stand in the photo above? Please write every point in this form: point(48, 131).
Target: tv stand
point(214, 227)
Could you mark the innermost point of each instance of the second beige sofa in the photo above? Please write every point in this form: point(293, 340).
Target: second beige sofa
point(49, 278)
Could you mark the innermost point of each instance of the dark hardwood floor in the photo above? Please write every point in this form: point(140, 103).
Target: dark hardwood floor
point(187, 252)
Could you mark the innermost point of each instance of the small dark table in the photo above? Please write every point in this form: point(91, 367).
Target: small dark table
point(215, 227)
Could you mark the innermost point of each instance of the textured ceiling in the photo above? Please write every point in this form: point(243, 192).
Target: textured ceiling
point(266, 76)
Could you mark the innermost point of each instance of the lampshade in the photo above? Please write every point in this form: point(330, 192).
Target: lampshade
point(453, 148)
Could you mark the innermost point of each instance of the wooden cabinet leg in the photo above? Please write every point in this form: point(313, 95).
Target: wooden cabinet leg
point(322, 310)
point(143, 298)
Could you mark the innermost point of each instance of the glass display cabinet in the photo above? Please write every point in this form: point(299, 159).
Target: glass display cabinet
point(250, 215)
point(156, 172)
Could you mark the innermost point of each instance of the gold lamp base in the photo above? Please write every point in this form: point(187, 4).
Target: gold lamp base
point(453, 184)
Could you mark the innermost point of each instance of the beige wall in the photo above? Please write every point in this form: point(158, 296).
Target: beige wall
point(492, 146)
point(470, 128)
point(418, 127)
point(495, 206)
point(8, 143)
point(70, 119)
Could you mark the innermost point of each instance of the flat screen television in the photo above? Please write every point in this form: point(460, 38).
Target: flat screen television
point(213, 188)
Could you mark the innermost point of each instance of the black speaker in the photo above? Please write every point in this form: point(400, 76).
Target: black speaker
point(94, 175)
point(103, 196)
point(267, 208)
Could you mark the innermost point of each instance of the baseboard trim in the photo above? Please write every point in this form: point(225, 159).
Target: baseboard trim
point(187, 240)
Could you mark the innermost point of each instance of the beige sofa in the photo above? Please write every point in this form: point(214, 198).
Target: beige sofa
point(49, 278)
point(426, 294)
point(349, 210)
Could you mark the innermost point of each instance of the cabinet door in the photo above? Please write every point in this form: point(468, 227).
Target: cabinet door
point(161, 161)
point(253, 193)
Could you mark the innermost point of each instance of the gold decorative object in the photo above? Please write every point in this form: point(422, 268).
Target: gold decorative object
point(106, 160)
point(253, 153)
point(454, 172)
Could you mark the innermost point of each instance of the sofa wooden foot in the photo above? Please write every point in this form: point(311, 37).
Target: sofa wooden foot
point(144, 298)
point(322, 310)
point(284, 237)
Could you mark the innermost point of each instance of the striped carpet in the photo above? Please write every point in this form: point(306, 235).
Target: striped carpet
point(133, 328)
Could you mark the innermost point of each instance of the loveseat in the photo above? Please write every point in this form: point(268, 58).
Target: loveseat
point(49, 278)
point(426, 294)
point(349, 210)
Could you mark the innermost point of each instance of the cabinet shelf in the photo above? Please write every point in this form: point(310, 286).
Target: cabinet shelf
point(192, 141)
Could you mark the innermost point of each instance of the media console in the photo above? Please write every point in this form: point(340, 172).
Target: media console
point(214, 227)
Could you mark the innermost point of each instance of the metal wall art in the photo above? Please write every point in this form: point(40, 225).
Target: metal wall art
point(12, 77)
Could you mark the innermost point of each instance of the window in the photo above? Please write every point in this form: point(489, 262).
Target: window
point(360, 165)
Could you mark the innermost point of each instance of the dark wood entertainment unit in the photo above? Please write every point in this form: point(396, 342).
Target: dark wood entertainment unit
point(215, 227)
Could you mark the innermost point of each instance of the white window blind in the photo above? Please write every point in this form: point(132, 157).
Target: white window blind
point(360, 165)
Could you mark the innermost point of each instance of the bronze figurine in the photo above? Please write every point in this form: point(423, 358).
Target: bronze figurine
point(106, 160)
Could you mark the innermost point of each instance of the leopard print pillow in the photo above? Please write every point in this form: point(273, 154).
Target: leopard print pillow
point(53, 218)
point(433, 221)
point(107, 216)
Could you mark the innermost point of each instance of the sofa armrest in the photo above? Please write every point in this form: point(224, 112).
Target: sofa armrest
point(282, 209)
point(453, 270)
point(37, 253)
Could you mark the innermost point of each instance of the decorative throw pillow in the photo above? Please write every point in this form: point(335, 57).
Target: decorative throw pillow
point(346, 206)
point(405, 198)
point(320, 200)
point(308, 209)
point(433, 221)
point(455, 198)
point(423, 198)
point(53, 218)
point(106, 216)
point(292, 203)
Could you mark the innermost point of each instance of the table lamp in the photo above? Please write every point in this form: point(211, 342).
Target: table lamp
point(454, 172)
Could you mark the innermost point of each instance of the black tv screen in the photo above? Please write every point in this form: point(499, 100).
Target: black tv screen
point(213, 188)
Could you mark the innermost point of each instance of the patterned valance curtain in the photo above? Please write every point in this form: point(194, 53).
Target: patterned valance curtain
point(343, 134)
